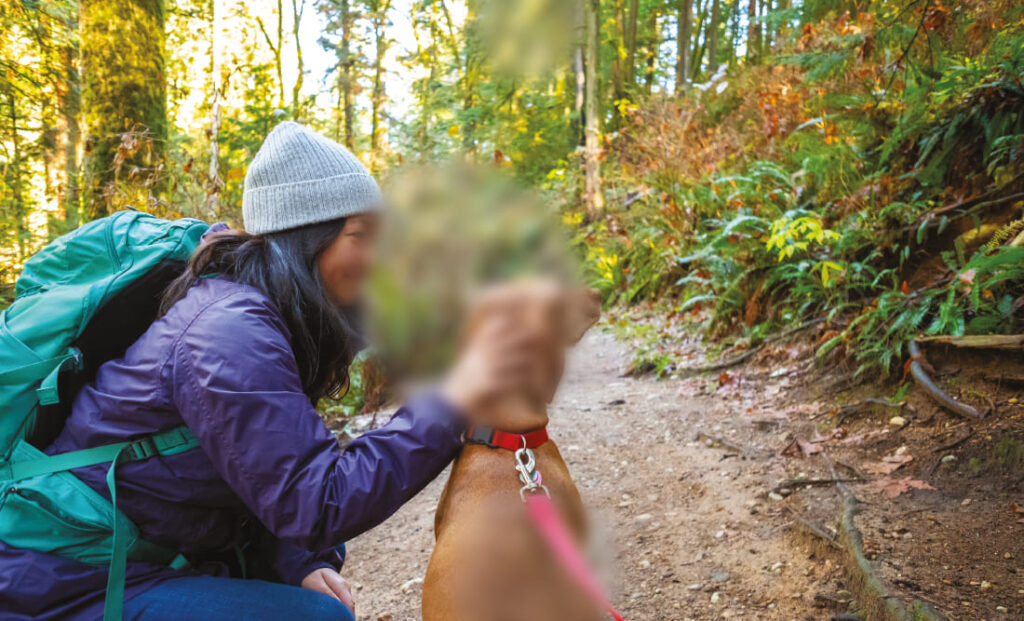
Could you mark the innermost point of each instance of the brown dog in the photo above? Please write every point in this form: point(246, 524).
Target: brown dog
point(490, 563)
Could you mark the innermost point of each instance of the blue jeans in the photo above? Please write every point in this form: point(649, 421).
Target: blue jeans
point(207, 598)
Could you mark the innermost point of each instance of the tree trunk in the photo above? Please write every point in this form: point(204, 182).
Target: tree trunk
point(763, 29)
point(619, 13)
point(470, 72)
point(213, 180)
point(298, 8)
point(753, 31)
point(13, 177)
point(712, 37)
point(579, 68)
point(734, 32)
point(70, 105)
point(123, 88)
point(652, 41)
point(629, 65)
point(697, 52)
point(380, 11)
point(684, 26)
point(345, 78)
point(592, 197)
point(275, 49)
point(278, 64)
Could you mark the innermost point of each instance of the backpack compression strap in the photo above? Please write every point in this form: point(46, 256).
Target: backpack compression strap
point(47, 370)
point(170, 442)
point(114, 604)
point(176, 440)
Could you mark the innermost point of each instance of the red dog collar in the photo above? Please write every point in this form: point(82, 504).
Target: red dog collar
point(496, 438)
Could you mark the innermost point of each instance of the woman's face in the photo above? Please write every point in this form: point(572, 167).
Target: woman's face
point(346, 262)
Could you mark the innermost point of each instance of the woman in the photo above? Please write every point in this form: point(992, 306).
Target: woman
point(253, 334)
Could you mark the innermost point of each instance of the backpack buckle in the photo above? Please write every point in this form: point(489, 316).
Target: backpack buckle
point(143, 449)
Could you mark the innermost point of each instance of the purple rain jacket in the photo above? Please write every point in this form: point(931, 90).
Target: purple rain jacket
point(268, 474)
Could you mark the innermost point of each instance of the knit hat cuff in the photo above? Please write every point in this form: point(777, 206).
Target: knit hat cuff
point(275, 207)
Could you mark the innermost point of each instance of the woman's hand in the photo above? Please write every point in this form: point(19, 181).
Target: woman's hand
point(497, 359)
point(330, 582)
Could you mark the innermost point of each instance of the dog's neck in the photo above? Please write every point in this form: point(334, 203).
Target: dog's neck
point(514, 414)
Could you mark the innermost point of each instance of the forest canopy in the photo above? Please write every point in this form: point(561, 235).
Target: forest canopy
point(750, 165)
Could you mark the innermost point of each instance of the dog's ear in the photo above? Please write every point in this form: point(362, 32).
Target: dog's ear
point(582, 310)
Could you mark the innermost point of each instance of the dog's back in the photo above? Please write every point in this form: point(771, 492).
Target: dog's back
point(490, 563)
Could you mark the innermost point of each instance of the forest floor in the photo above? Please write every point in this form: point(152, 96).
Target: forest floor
point(698, 490)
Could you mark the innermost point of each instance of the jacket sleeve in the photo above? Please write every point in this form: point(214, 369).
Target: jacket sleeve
point(235, 382)
point(292, 563)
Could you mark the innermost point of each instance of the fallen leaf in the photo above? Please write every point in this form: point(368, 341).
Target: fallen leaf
point(800, 447)
point(889, 464)
point(895, 487)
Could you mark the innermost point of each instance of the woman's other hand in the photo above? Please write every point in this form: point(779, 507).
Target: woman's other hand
point(330, 582)
point(497, 359)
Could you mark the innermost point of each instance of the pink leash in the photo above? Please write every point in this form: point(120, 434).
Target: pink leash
point(545, 517)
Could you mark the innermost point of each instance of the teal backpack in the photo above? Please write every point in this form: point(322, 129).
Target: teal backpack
point(79, 302)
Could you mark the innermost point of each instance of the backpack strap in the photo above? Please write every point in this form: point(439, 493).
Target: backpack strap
point(38, 369)
point(47, 392)
point(47, 370)
point(167, 443)
point(170, 442)
point(113, 605)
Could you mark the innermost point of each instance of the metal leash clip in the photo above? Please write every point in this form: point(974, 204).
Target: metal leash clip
point(529, 476)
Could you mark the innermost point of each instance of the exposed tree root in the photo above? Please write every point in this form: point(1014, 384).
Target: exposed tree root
point(924, 381)
point(718, 366)
point(1013, 342)
point(844, 412)
point(875, 599)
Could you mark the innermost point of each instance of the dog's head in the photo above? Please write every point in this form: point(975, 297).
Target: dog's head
point(551, 316)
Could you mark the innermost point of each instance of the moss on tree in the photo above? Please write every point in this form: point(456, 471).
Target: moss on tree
point(123, 89)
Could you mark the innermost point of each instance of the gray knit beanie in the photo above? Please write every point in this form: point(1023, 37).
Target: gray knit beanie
point(299, 177)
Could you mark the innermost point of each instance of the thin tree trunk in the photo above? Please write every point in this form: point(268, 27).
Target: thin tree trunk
point(579, 69)
point(753, 31)
point(632, 18)
point(766, 30)
point(618, 10)
point(345, 73)
point(380, 10)
point(17, 192)
point(213, 180)
point(684, 26)
point(697, 53)
point(593, 199)
point(298, 8)
point(70, 136)
point(278, 64)
point(734, 33)
point(651, 49)
point(712, 37)
point(469, 74)
point(275, 49)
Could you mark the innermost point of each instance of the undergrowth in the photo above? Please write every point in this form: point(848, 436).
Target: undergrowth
point(870, 172)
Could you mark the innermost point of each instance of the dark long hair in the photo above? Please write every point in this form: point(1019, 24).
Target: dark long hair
point(283, 266)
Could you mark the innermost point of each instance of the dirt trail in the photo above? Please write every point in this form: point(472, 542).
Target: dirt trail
point(695, 536)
